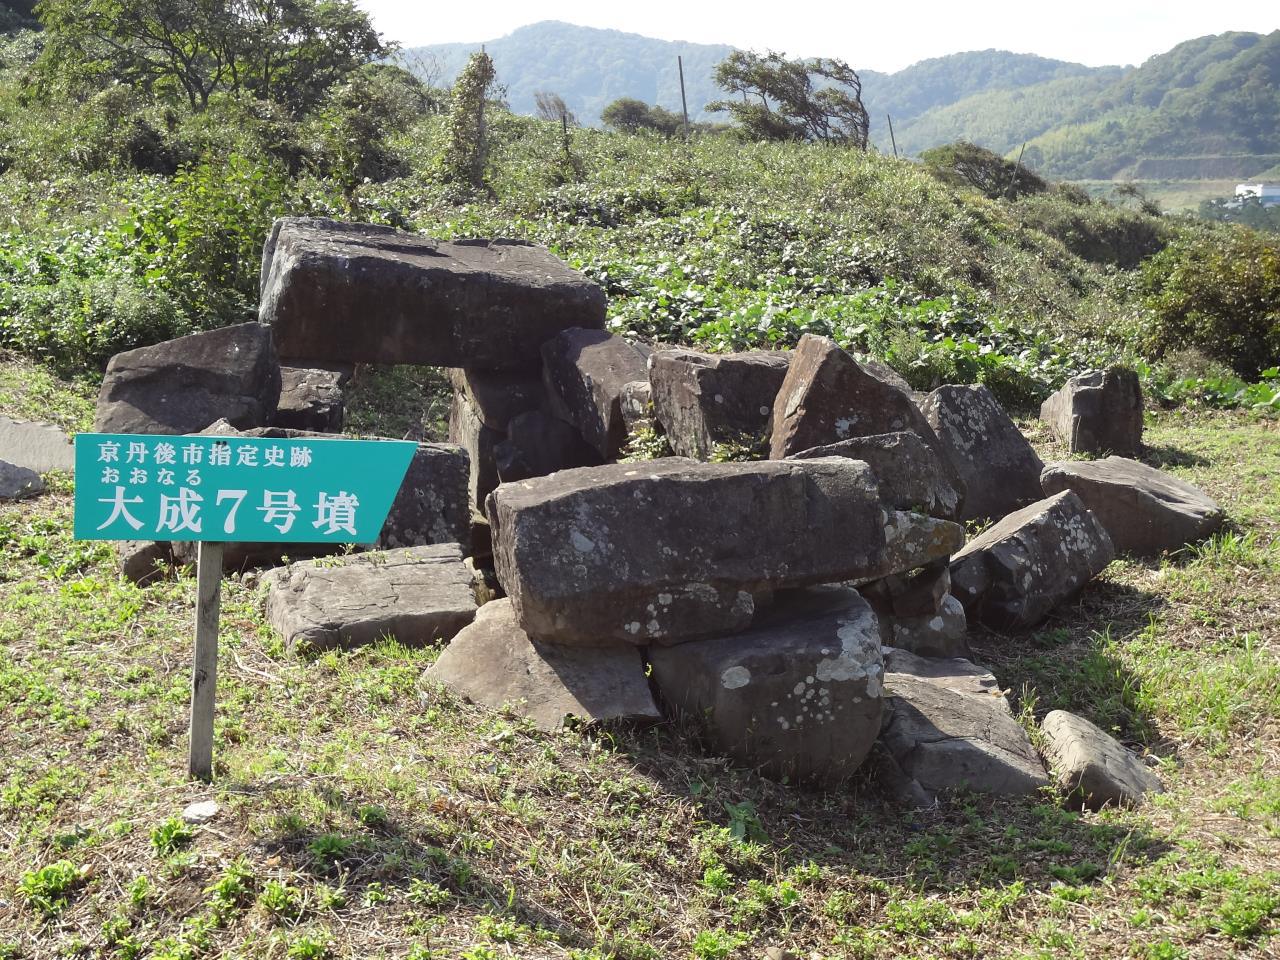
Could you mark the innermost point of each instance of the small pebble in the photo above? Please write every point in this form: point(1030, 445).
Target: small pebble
point(202, 811)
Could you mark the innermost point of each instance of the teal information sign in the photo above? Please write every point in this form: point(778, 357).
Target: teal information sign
point(226, 488)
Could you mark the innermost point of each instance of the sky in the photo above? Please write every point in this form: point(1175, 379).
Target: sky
point(870, 36)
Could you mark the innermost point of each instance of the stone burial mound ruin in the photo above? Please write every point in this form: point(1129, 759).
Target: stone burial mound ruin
point(803, 607)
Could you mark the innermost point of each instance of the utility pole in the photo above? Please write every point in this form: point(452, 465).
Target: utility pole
point(892, 138)
point(1016, 167)
point(684, 103)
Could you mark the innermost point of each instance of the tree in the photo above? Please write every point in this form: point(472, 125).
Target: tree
point(781, 101)
point(287, 51)
point(551, 106)
point(964, 164)
point(466, 150)
point(629, 115)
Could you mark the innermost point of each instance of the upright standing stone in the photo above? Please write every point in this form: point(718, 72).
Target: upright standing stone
point(363, 293)
point(498, 396)
point(703, 400)
point(184, 385)
point(310, 399)
point(495, 663)
point(669, 550)
point(41, 447)
point(468, 431)
point(1012, 575)
point(998, 467)
point(826, 397)
point(588, 370)
point(795, 696)
point(1098, 412)
point(1145, 511)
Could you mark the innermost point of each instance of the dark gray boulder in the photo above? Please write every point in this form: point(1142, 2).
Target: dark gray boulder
point(183, 385)
point(940, 634)
point(310, 399)
point(949, 727)
point(1098, 412)
point(669, 550)
point(910, 473)
point(797, 696)
point(1145, 511)
point(467, 430)
point(144, 561)
point(1017, 571)
point(587, 371)
point(363, 293)
point(827, 396)
point(1092, 768)
point(998, 467)
point(416, 595)
point(703, 400)
point(493, 662)
point(40, 447)
point(537, 444)
point(498, 396)
point(18, 483)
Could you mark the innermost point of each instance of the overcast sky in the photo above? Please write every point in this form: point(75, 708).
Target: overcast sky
point(870, 35)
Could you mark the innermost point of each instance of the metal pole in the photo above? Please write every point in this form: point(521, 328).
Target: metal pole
point(684, 103)
point(204, 669)
point(892, 138)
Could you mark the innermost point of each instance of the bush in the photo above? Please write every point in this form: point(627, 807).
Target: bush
point(964, 164)
point(1097, 232)
point(1220, 294)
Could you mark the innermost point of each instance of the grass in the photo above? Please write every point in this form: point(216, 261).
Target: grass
point(363, 814)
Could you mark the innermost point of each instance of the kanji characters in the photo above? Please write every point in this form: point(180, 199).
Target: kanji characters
point(120, 509)
point(181, 512)
point(336, 514)
point(279, 509)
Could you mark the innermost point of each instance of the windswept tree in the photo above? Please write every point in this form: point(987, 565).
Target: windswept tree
point(629, 115)
point(286, 51)
point(779, 99)
point(551, 106)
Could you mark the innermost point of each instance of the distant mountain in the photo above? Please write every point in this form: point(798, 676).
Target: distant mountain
point(1209, 108)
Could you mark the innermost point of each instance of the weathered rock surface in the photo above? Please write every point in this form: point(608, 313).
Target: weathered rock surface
point(827, 397)
point(670, 550)
point(588, 370)
point(1098, 412)
point(494, 662)
point(537, 444)
point(310, 399)
point(363, 293)
point(703, 399)
point(910, 473)
point(797, 696)
point(1092, 767)
point(948, 726)
point(913, 540)
point(498, 397)
point(1144, 510)
point(915, 593)
point(467, 430)
point(183, 385)
point(998, 467)
point(1012, 575)
point(41, 447)
point(143, 561)
point(940, 634)
point(18, 483)
point(636, 403)
point(418, 595)
point(878, 368)
point(917, 613)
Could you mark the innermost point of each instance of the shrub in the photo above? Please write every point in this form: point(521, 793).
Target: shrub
point(964, 164)
point(1220, 294)
point(1097, 232)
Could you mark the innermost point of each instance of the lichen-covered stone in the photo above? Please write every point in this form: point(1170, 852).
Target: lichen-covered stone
point(669, 550)
point(797, 696)
point(1145, 511)
point(999, 469)
point(703, 400)
point(493, 662)
point(1098, 412)
point(1016, 572)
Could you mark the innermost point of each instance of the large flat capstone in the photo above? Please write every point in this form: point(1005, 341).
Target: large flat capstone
point(493, 662)
point(797, 696)
point(364, 293)
point(184, 385)
point(416, 595)
point(948, 727)
point(1012, 575)
point(669, 550)
point(703, 400)
point(998, 467)
point(1146, 511)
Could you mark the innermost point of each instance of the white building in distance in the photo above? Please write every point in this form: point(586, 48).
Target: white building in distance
point(1268, 193)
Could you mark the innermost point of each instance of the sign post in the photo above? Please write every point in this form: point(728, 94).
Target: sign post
point(215, 490)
